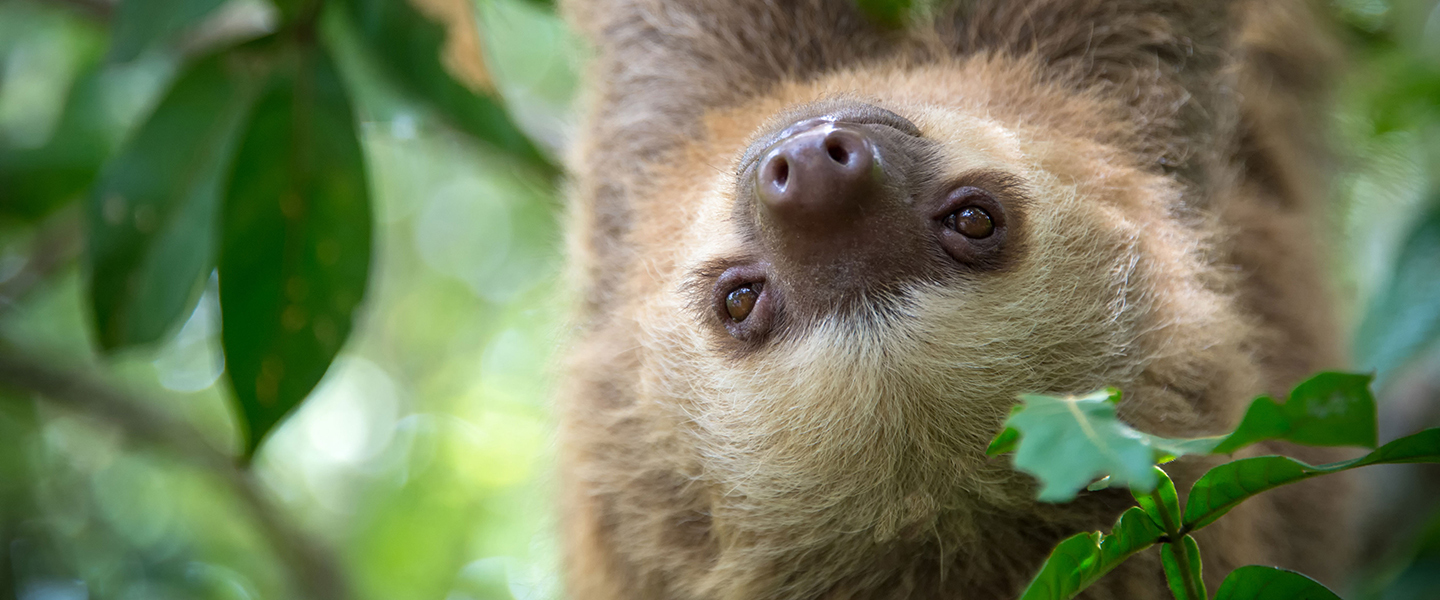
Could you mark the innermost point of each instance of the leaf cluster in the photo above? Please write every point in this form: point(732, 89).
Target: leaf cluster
point(249, 168)
point(1066, 442)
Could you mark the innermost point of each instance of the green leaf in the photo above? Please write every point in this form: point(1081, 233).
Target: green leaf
point(1068, 442)
point(36, 181)
point(1405, 318)
point(1182, 569)
point(1165, 513)
point(1329, 409)
point(409, 45)
point(296, 246)
point(1227, 485)
point(1084, 558)
point(152, 217)
point(1269, 583)
point(1009, 437)
point(140, 24)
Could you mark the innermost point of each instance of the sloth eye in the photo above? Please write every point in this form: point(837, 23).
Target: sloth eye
point(740, 302)
point(971, 222)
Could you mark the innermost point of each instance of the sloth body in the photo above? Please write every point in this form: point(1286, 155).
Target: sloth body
point(1147, 186)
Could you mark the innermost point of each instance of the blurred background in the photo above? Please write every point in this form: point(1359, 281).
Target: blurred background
point(419, 465)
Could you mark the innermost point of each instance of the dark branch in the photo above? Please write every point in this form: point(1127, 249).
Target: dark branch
point(314, 572)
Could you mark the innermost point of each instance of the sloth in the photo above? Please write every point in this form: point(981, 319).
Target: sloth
point(816, 259)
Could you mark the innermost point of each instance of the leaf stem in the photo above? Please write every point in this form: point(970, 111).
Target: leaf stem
point(1191, 578)
point(1175, 538)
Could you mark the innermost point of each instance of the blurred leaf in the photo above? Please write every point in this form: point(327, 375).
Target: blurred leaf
point(1166, 514)
point(1068, 442)
point(295, 254)
point(1329, 409)
point(36, 181)
point(1226, 486)
point(152, 217)
point(889, 13)
point(1183, 572)
point(1257, 582)
point(1405, 318)
point(141, 24)
point(1084, 558)
point(410, 45)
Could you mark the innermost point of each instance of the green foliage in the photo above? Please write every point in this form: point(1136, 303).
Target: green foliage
point(34, 182)
point(1227, 485)
point(409, 45)
point(142, 24)
point(1071, 441)
point(152, 217)
point(1329, 409)
point(1078, 435)
point(1181, 563)
point(295, 255)
point(1405, 318)
point(1256, 582)
point(1162, 504)
point(1083, 558)
point(1078, 439)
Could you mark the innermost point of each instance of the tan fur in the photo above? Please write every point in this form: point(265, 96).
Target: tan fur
point(848, 462)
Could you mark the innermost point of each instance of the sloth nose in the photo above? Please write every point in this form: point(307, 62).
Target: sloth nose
point(817, 178)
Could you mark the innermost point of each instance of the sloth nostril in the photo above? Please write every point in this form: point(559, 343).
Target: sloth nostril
point(838, 153)
point(780, 172)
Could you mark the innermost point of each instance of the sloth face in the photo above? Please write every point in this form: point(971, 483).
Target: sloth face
point(844, 203)
point(899, 269)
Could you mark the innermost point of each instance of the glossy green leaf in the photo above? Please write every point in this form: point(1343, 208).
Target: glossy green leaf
point(1329, 409)
point(1163, 504)
point(1068, 442)
point(36, 181)
point(1405, 318)
point(296, 246)
point(1257, 582)
point(1181, 562)
point(409, 45)
point(152, 216)
point(141, 24)
point(1227, 485)
point(1084, 558)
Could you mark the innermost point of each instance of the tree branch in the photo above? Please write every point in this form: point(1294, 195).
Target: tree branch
point(314, 572)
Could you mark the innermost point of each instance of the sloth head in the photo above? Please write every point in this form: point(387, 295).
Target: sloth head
point(843, 297)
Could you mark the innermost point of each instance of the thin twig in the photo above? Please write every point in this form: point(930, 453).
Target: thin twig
point(315, 572)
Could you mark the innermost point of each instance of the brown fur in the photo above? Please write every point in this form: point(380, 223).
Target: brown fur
point(1171, 187)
